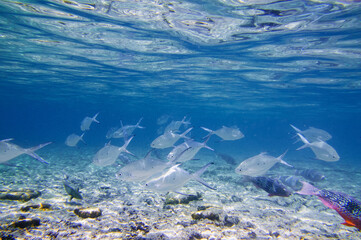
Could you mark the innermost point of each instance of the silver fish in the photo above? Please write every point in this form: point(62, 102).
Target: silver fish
point(73, 139)
point(110, 132)
point(87, 121)
point(321, 149)
point(313, 134)
point(292, 181)
point(179, 152)
point(109, 154)
point(126, 131)
point(175, 178)
point(259, 164)
point(175, 125)
point(311, 174)
point(142, 169)
point(9, 151)
point(226, 133)
point(163, 119)
point(168, 139)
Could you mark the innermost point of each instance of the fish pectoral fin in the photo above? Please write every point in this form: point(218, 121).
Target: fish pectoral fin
point(349, 224)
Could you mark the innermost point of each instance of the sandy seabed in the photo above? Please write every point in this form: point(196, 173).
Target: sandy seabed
point(236, 210)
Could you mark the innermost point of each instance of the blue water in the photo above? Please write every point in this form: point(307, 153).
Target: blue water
point(260, 65)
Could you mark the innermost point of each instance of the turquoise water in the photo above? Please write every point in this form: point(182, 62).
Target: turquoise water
point(259, 65)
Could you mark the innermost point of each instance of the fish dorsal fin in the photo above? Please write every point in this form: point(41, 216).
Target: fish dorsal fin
point(108, 143)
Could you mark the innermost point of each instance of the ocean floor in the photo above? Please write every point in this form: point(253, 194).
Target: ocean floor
point(236, 210)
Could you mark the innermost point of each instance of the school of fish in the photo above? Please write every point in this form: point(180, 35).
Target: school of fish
point(167, 175)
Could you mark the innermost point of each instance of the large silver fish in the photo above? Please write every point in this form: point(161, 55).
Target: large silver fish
point(127, 130)
point(182, 155)
point(313, 134)
point(168, 139)
point(226, 133)
point(87, 121)
point(109, 154)
point(9, 151)
point(175, 178)
point(321, 149)
point(73, 139)
point(259, 164)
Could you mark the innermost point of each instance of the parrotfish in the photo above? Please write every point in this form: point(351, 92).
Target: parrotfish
point(313, 134)
point(348, 207)
point(73, 139)
point(273, 187)
point(168, 139)
point(259, 164)
point(127, 130)
point(175, 178)
point(108, 154)
point(321, 149)
point(9, 151)
point(226, 133)
point(87, 121)
point(311, 174)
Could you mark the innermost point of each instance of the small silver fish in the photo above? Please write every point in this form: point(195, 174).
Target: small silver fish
point(142, 169)
point(168, 139)
point(226, 133)
point(311, 174)
point(87, 121)
point(175, 125)
point(108, 155)
point(313, 134)
point(163, 119)
point(73, 139)
point(321, 149)
point(127, 130)
point(179, 152)
point(259, 164)
point(9, 151)
point(175, 178)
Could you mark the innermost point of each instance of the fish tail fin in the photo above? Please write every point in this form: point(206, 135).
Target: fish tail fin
point(282, 161)
point(308, 189)
point(137, 125)
point(296, 129)
point(31, 152)
point(208, 130)
point(205, 144)
point(211, 132)
point(7, 140)
point(95, 118)
point(81, 138)
point(186, 122)
point(196, 176)
point(183, 135)
point(304, 140)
